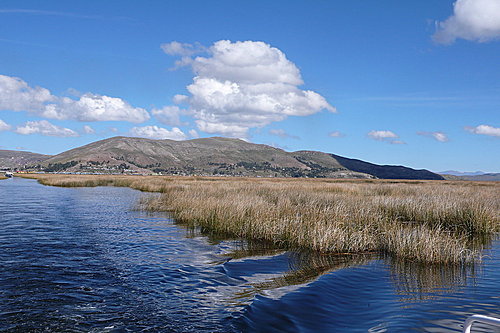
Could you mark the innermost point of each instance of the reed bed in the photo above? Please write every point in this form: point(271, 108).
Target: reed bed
point(425, 221)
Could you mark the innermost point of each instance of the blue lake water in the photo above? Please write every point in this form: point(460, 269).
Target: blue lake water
point(84, 260)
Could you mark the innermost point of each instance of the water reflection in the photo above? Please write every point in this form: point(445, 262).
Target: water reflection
point(420, 282)
point(423, 281)
point(304, 267)
point(413, 282)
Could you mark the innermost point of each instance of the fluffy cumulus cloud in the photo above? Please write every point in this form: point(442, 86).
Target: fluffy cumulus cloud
point(386, 136)
point(91, 107)
point(4, 126)
point(17, 95)
point(168, 115)
point(438, 136)
point(245, 85)
point(485, 130)
point(44, 127)
point(155, 132)
point(474, 20)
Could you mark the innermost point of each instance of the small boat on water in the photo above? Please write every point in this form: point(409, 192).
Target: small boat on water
point(8, 174)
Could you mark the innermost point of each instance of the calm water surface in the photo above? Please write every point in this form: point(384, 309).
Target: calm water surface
point(83, 260)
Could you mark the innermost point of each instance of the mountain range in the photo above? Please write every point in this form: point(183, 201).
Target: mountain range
point(461, 173)
point(208, 156)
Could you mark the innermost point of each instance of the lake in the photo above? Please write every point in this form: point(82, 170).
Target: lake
point(86, 260)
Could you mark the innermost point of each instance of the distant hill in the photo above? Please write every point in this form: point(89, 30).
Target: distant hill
point(209, 156)
point(485, 177)
point(460, 173)
point(217, 156)
point(386, 171)
point(11, 159)
point(482, 177)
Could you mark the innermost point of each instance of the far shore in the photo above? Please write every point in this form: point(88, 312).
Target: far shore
point(424, 221)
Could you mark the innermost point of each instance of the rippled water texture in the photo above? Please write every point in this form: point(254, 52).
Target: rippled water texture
point(81, 259)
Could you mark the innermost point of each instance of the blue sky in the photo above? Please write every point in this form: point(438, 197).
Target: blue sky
point(413, 83)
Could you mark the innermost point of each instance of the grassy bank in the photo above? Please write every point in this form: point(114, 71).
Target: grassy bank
point(427, 221)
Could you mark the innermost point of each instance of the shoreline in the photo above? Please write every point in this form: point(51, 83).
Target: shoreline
point(424, 221)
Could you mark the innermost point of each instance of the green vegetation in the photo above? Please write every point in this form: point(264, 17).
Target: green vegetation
point(60, 166)
point(424, 221)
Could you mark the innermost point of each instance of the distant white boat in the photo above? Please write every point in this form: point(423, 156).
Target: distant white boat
point(8, 174)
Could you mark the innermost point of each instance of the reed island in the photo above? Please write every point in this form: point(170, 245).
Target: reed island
point(424, 221)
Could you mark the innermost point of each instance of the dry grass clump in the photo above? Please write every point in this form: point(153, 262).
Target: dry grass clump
point(427, 221)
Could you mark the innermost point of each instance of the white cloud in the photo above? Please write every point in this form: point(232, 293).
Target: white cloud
point(439, 136)
point(485, 130)
point(168, 115)
point(178, 99)
point(17, 95)
point(181, 49)
point(185, 50)
point(155, 132)
point(4, 126)
point(245, 85)
point(386, 136)
point(237, 131)
point(382, 135)
point(282, 134)
point(43, 127)
point(193, 134)
point(88, 130)
point(91, 107)
point(336, 134)
point(474, 20)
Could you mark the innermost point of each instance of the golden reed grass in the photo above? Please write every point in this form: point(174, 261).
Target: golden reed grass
point(426, 221)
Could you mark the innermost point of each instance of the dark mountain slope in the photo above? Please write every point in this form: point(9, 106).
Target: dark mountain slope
point(386, 171)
